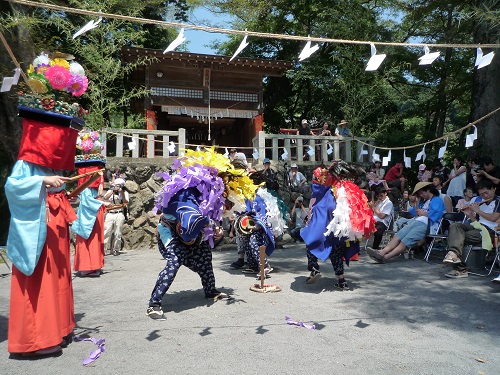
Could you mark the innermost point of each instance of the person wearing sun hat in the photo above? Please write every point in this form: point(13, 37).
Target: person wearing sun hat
point(430, 210)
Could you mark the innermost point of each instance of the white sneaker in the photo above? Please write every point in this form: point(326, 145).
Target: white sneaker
point(496, 280)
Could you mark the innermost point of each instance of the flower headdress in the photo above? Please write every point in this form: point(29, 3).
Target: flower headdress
point(89, 142)
point(48, 74)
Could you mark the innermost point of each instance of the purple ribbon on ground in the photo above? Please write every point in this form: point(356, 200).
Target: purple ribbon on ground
point(300, 324)
point(96, 353)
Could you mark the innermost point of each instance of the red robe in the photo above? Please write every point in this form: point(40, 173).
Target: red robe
point(89, 254)
point(41, 305)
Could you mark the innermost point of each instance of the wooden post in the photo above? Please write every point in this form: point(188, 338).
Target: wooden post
point(262, 265)
point(119, 145)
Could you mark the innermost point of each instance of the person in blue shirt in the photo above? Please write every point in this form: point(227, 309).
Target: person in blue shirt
point(430, 210)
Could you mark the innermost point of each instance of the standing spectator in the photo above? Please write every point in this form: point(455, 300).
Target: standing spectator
point(489, 171)
point(298, 182)
point(483, 216)
point(457, 181)
point(299, 215)
point(424, 175)
point(395, 178)
point(115, 218)
point(382, 210)
point(444, 172)
point(342, 130)
point(325, 132)
point(471, 179)
point(305, 130)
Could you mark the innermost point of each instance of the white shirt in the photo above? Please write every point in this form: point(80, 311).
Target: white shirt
point(117, 198)
point(385, 207)
point(425, 207)
point(299, 177)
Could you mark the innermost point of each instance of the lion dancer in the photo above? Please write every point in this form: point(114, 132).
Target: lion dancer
point(89, 227)
point(192, 202)
point(340, 216)
point(41, 318)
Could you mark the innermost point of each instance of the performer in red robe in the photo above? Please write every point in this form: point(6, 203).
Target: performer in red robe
point(41, 302)
point(89, 227)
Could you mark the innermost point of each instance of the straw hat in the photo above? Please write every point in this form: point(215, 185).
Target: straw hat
point(420, 186)
point(343, 122)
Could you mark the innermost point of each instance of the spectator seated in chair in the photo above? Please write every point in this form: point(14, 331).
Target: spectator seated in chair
point(480, 231)
point(382, 210)
point(430, 211)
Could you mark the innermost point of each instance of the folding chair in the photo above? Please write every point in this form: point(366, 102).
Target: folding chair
point(438, 233)
point(472, 248)
point(2, 249)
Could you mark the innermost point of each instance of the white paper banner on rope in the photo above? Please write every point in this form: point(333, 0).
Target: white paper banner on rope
point(470, 138)
point(442, 150)
point(421, 155)
point(171, 147)
point(310, 151)
point(483, 60)
point(255, 154)
point(308, 50)
point(226, 154)
point(386, 159)
point(362, 152)
point(329, 151)
point(284, 155)
point(375, 156)
point(376, 60)
point(177, 42)
point(132, 145)
point(8, 82)
point(241, 47)
point(407, 160)
point(89, 26)
point(428, 58)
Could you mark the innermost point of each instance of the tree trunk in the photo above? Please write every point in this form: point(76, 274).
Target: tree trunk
point(486, 92)
point(10, 125)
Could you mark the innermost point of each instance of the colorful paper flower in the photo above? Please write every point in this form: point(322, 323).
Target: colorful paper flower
point(60, 62)
point(75, 84)
point(83, 88)
point(38, 83)
point(76, 69)
point(87, 145)
point(58, 77)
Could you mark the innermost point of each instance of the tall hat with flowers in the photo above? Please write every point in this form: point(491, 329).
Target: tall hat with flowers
point(50, 124)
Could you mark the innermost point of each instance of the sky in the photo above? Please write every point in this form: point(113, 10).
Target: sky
point(199, 39)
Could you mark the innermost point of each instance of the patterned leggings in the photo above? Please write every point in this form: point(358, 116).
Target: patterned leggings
point(198, 258)
point(252, 251)
point(335, 257)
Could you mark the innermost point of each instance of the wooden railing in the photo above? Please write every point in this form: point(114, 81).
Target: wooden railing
point(273, 146)
point(148, 143)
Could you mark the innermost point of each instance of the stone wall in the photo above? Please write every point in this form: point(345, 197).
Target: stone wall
point(142, 184)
